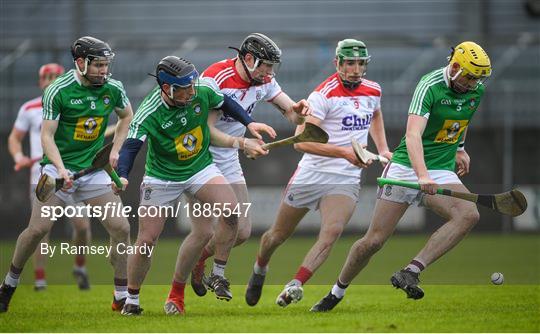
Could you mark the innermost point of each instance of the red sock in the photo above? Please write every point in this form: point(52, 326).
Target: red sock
point(177, 290)
point(80, 260)
point(40, 273)
point(205, 255)
point(303, 275)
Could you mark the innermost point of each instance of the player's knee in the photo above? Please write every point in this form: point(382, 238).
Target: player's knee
point(243, 234)
point(121, 230)
point(37, 232)
point(471, 216)
point(275, 237)
point(231, 221)
point(331, 234)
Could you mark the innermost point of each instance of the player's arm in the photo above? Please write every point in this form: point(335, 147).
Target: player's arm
point(295, 112)
point(251, 146)
point(110, 130)
point(463, 160)
point(416, 125)
point(376, 131)
point(327, 150)
point(48, 129)
point(15, 140)
point(231, 108)
point(125, 116)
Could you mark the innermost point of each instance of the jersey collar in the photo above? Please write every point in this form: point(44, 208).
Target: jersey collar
point(77, 77)
point(446, 76)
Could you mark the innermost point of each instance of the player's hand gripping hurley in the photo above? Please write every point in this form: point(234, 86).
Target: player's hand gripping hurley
point(311, 133)
point(512, 203)
point(47, 185)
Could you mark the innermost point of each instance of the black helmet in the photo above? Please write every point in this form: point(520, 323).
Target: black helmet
point(90, 48)
point(261, 47)
point(176, 72)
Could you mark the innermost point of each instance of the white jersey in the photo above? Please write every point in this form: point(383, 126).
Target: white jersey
point(345, 114)
point(29, 120)
point(224, 76)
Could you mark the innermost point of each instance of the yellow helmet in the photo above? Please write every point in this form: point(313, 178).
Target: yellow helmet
point(472, 59)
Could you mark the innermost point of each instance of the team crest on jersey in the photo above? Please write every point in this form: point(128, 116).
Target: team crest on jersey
point(106, 100)
point(87, 128)
point(290, 197)
point(147, 193)
point(258, 94)
point(387, 190)
point(450, 131)
point(189, 144)
point(472, 104)
point(197, 109)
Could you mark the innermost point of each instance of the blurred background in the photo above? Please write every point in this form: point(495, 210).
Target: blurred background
point(405, 38)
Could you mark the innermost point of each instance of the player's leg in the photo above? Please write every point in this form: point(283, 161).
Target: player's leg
point(81, 236)
point(27, 242)
point(287, 219)
point(461, 217)
point(384, 219)
point(244, 231)
point(118, 229)
point(217, 191)
point(40, 260)
point(336, 210)
point(188, 255)
point(138, 264)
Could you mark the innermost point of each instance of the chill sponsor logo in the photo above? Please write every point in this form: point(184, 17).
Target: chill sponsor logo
point(189, 144)
point(451, 131)
point(87, 128)
point(355, 122)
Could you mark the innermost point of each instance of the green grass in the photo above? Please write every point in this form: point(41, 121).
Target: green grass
point(458, 297)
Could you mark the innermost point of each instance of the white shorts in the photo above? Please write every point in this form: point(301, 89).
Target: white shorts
point(89, 186)
point(158, 192)
point(68, 201)
point(307, 187)
point(232, 170)
point(406, 195)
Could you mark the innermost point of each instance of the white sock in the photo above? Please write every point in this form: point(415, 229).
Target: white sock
point(79, 269)
point(416, 266)
point(120, 292)
point(337, 291)
point(259, 270)
point(132, 299)
point(11, 281)
point(294, 282)
point(40, 283)
point(219, 269)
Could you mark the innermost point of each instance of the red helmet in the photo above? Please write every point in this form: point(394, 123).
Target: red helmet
point(51, 68)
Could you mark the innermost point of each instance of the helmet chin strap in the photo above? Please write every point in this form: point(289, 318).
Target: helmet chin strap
point(346, 83)
point(252, 81)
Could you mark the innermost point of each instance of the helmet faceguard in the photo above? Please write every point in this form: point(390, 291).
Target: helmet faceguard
point(474, 67)
point(264, 51)
point(351, 49)
point(92, 49)
point(178, 73)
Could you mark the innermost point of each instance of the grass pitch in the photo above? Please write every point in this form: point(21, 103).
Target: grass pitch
point(459, 296)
